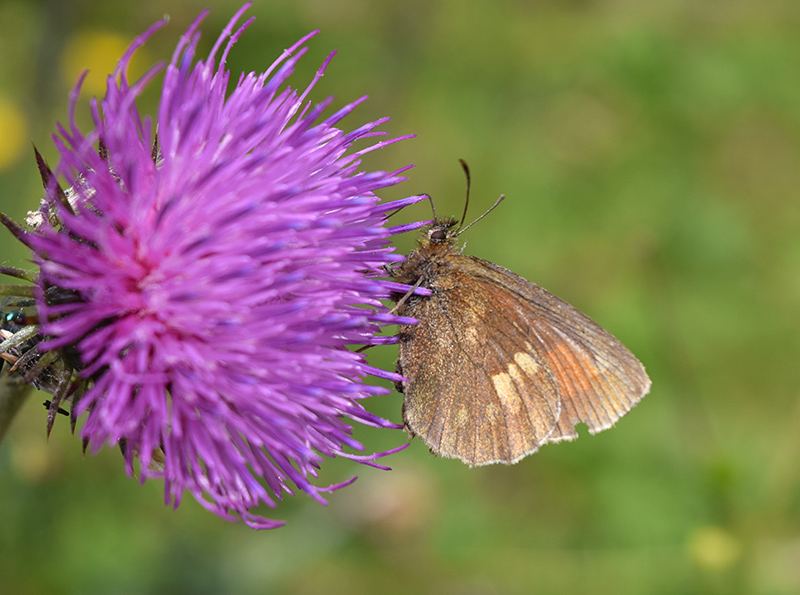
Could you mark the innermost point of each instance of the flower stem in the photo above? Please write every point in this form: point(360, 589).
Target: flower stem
point(17, 290)
point(12, 396)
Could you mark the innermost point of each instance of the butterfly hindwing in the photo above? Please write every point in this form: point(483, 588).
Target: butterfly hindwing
point(473, 392)
point(497, 366)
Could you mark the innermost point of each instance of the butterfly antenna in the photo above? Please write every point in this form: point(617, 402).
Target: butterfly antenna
point(465, 167)
point(433, 206)
point(462, 229)
point(492, 208)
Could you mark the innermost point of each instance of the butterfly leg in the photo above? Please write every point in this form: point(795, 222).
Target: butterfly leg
point(407, 295)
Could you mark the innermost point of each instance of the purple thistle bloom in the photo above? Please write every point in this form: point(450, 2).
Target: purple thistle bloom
point(210, 283)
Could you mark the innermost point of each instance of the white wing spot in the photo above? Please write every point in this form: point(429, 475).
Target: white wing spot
point(462, 417)
point(527, 363)
point(471, 335)
point(491, 412)
point(506, 390)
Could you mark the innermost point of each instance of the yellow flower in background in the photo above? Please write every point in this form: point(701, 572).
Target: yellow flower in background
point(97, 52)
point(714, 549)
point(13, 132)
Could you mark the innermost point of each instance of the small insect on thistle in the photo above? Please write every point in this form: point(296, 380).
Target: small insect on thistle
point(52, 371)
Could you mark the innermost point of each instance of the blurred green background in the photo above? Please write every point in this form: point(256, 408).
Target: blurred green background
point(650, 154)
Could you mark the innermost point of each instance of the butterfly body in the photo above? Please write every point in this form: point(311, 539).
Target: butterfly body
point(498, 366)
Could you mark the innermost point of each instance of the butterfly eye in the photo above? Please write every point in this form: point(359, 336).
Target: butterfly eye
point(438, 235)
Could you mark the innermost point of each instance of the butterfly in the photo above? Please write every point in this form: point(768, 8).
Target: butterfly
point(498, 366)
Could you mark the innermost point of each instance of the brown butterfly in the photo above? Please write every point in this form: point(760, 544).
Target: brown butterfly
point(497, 366)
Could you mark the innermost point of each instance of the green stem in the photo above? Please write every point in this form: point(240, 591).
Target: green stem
point(12, 396)
point(17, 290)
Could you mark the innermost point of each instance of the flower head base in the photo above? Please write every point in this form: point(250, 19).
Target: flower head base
point(211, 281)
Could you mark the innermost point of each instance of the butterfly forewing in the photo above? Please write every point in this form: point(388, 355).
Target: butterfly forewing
point(599, 379)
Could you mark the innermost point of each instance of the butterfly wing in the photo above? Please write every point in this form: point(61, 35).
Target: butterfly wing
point(498, 366)
point(599, 379)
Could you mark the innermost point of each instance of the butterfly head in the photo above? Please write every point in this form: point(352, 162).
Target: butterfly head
point(440, 232)
point(444, 231)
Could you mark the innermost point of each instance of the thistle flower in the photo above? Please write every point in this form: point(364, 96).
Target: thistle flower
point(208, 282)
